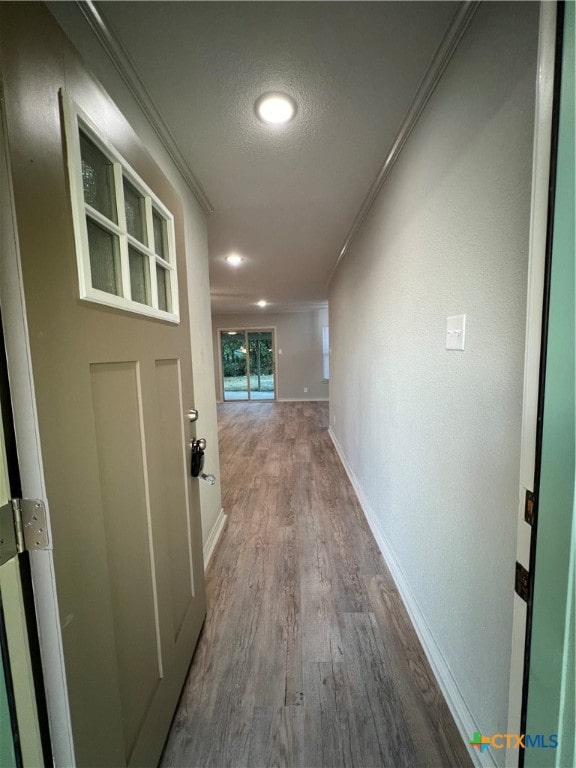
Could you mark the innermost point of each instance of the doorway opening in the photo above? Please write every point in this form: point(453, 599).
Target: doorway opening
point(247, 364)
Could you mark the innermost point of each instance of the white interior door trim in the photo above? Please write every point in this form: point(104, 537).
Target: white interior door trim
point(544, 96)
point(13, 306)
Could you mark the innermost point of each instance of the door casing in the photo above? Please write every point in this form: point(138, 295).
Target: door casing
point(548, 697)
point(30, 458)
point(535, 296)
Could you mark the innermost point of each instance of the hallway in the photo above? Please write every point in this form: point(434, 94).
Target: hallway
point(307, 657)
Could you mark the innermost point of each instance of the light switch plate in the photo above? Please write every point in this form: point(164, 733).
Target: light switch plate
point(455, 332)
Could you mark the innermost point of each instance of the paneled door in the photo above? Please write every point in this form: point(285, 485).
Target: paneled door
point(101, 239)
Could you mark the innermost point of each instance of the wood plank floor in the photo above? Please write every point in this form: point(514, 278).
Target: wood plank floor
point(307, 658)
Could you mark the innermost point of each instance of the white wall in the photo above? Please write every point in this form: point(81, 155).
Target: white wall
point(77, 29)
point(432, 437)
point(299, 336)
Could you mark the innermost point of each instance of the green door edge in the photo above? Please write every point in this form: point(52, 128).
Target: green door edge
point(550, 705)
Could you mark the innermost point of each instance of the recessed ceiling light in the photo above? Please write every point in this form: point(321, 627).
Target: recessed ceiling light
point(275, 108)
point(232, 333)
point(262, 303)
point(234, 259)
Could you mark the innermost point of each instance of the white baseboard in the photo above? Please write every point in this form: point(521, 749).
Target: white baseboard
point(302, 399)
point(214, 537)
point(456, 702)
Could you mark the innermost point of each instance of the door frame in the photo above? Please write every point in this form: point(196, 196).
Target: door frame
point(552, 230)
point(19, 631)
point(13, 304)
point(246, 329)
point(543, 167)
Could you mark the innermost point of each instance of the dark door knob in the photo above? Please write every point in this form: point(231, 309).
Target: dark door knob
point(197, 457)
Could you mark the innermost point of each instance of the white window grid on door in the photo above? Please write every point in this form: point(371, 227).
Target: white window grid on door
point(155, 250)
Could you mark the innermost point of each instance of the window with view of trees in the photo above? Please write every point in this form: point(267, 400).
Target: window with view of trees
point(247, 365)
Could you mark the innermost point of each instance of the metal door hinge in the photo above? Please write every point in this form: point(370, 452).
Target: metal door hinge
point(22, 527)
point(522, 584)
point(529, 507)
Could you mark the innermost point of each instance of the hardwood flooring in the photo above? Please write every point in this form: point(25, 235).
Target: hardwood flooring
point(307, 658)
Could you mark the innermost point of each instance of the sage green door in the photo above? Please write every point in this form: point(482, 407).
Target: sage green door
point(113, 389)
point(7, 746)
point(551, 710)
point(9, 740)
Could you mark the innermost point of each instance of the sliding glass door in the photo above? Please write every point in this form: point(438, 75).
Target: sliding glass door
point(261, 365)
point(234, 365)
point(247, 364)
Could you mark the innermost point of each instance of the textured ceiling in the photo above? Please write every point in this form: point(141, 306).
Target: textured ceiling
point(284, 197)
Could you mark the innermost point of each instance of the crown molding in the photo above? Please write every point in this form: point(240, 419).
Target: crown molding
point(460, 21)
point(120, 57)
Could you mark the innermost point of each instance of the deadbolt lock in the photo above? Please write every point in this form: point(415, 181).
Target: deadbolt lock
point(198, 447)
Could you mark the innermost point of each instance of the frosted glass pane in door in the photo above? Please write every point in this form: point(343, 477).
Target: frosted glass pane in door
point(158, 224)
point(163, 280)
point(135, 212)
point(139, 276)
point(104, 259)
point(97, 179)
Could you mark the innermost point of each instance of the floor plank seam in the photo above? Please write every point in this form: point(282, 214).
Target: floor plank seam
point(307, 658)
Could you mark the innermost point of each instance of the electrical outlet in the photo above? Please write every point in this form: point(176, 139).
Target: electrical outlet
point(305, 389)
